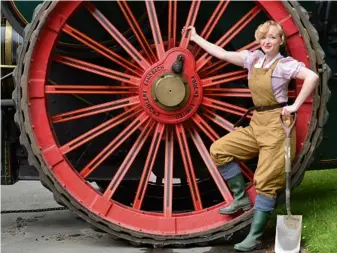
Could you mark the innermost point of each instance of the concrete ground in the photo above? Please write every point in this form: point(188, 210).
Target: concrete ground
point(60, 231)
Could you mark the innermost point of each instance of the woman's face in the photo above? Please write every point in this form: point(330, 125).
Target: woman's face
point(270, 43)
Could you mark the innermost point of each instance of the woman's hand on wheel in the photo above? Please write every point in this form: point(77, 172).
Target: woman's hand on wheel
point(193, 32)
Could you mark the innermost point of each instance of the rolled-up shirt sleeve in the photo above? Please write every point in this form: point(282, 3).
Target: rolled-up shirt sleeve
point(288, 68)
point(250, 58)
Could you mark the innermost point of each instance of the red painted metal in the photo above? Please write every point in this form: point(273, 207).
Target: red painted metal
point(223, 106)
point(192, 15)
point(158, 40)
point(95, 109)
point(93, 68)
point(205, 127)
point(224, 78)
point(90, 89)
point(168, 170)
point(226, 194)
point(172, 24)
point(118, 36)
point(220, 64)
point(235, 92)
point(214, 19)
point(137, 30)
point(192, 80)
point(113, 145)
point(189, 167)
point(228, 92)
point(247, 172)
point(229, 35)
point(100, 129)
point(128, 160)
point(225, 124)
point(152, 155)
point(101, 49)
point(168, 222)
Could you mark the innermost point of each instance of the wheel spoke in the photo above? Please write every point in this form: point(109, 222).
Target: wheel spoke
point(210, 165)
point(100, 129)
point(95, 109)
point(205, 127)
point(229, 35)
point(137, 30)
point(99, 70)
point(158, 41)
point(247, 172)
point(236, 92)
point(228, 92)
point(151, 157)
point(292, 94)
point(192, 16)
point(220, 64)
point(188, 165)
point(90, 89)
point(223, 106)
point(214, 19)
point(118, 36)
point(172, 24)
point(224, 78)
point(128, 160)
point(225, 124)
point(113, 145)
point(168, 170)
point(99, 48)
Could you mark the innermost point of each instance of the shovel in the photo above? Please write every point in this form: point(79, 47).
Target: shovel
point(288, 227)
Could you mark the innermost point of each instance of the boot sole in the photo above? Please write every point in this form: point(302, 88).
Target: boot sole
point(244, 249)
point(244, 208)
point(257, 247)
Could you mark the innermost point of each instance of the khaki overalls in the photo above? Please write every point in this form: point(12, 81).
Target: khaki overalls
point(264, 137)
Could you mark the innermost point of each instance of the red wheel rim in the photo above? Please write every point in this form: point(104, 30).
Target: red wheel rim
point(166, 129)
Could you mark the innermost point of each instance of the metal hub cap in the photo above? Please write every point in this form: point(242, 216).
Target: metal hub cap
point(170, 90)
point(171, 97)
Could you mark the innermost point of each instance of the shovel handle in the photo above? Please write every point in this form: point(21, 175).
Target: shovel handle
point(287, 124)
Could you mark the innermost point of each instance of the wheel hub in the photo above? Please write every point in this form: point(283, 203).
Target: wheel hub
point(170, 90)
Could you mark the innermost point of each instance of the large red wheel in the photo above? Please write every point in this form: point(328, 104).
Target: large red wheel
point(139, 123)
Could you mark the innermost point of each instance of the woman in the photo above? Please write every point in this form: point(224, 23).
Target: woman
point(269, 74)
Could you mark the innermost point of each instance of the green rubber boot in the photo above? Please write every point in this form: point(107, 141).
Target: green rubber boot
point(258, 225)
point(241, 199)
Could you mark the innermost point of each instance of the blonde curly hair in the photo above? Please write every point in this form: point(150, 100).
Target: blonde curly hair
point(264, 28)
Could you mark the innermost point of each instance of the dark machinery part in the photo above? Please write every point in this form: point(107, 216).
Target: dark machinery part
point(9, 165)
point(323, 18)
point(178, 65)
point(10, 40)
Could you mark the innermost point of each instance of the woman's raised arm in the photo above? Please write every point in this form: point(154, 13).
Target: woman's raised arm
point(235, 58)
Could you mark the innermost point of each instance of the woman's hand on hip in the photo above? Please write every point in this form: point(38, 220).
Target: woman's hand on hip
point(289, 109)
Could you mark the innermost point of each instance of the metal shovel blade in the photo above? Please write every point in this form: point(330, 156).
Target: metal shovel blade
point(288, 233)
